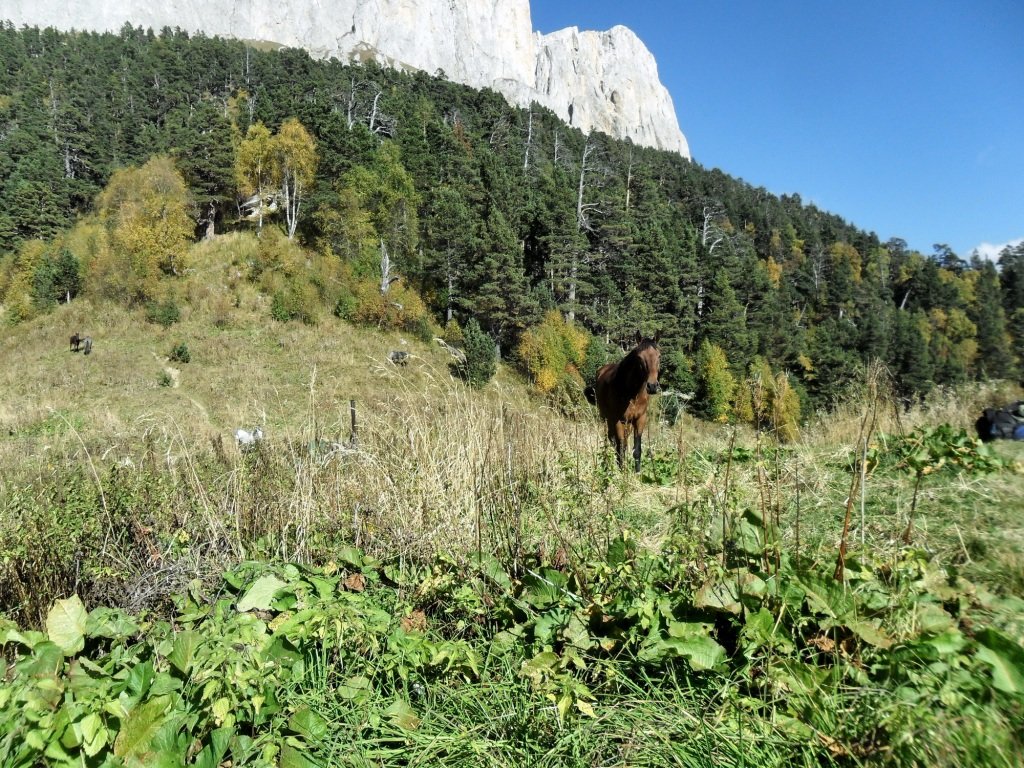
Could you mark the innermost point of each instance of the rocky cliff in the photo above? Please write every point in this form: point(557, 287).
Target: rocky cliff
point(606, 81)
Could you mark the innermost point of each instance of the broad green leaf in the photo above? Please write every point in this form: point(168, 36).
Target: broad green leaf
point(949, 642)
point(136, 735)
point(748, 538)
point(308, 724)
point(702, 652)
point(402, 714)
point(65, 624)
point(97, 738)
point(586, 708)
point(826, 596)
point(869, 632)
point(351, 557)
point(221, 707)
point(718, 595)
point(544, 589)
point(297, 624)
point(355, 688)
point(506, 640)
point(932, 619)
point(184, 650)
point(261, 594)
point(89, 726)
point(110, 622)
point(620, 551)
point(1005, 657)
point(57, 756)
point(325, 587)
point(165, 683)
point(9, 633)
point(577, 634)
point(47, 660)
point(140, 678)
point(541, 665)
point(758, 630)
point(493, 570)
point(799, 678)
point(293, 757)
point(564, 702)
point(213, 753)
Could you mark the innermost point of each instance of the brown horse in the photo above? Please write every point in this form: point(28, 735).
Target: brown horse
point(622, 393)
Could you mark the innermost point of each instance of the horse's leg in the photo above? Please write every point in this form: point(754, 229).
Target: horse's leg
point(619, 437)
point(638, 432)
point(637, 449)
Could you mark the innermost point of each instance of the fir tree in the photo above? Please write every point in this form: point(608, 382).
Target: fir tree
point(994, 357)
point(481, 360)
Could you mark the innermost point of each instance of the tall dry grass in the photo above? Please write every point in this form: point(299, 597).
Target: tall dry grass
point(438, 468)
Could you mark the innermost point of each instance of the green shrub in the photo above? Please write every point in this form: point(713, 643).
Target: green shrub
point(165, 313)
point(180, 354)
point(164, 379)
point(346, 304)
point(481, 360)
point(296, 301)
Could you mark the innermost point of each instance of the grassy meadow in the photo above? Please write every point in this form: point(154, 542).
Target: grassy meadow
point(472, 581)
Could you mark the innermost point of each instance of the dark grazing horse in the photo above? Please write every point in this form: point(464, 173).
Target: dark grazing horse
point(76, 340)
point(622, 393)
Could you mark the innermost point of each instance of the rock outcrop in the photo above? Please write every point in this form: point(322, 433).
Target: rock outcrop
point(605, 81)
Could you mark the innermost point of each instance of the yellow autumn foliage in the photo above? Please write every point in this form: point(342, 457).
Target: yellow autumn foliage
point(554, 351)
point(145, 213)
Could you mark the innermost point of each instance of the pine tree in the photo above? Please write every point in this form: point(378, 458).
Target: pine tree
point(725, 320)
point(496, 290)
point(1011, 277)
point(204, 149)
point(994, 358)
point(911, 361)
point(481, 360)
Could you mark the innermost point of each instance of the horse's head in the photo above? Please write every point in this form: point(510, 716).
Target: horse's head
point(648, 351)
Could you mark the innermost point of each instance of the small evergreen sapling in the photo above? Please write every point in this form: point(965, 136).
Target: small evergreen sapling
point(481, 361)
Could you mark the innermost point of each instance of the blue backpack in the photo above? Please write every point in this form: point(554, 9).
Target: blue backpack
point(1006, 423)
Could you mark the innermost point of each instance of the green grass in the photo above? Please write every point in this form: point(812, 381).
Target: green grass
point(134, 495)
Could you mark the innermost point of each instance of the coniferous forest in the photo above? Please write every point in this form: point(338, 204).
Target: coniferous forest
point(475, 210)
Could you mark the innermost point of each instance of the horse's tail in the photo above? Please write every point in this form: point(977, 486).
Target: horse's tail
point(591, 394)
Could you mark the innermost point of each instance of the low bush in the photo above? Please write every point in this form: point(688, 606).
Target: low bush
point(180, 353)
point(164, 313)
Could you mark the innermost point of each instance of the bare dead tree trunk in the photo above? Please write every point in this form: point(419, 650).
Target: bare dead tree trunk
point(373, 111)
point(386, 278)
point(351, 106)
point(711, 230)
point(629, 178)
point(529, 142)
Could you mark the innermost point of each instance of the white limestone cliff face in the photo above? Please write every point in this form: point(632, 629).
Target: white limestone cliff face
point(605, 81)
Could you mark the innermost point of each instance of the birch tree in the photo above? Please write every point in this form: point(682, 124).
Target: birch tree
point(255, 172)
point(294, 152)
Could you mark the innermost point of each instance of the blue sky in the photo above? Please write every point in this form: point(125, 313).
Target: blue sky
point(904, 117)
